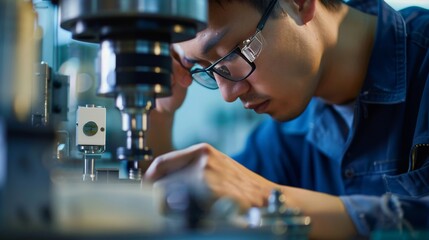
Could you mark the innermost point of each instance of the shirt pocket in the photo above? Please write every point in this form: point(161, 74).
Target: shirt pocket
point(414, 183)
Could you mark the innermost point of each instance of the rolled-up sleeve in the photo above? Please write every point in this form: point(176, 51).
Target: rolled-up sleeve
point(388, 212)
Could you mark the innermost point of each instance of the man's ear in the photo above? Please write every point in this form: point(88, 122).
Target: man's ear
point(306, 9)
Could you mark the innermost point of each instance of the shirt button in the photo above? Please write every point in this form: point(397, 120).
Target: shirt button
point(349, 173)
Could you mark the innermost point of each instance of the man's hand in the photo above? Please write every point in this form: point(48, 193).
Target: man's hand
point(227, 178)
point(224, 176)
point(180, 81)
point(161, 118)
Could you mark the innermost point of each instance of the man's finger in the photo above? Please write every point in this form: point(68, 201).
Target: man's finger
point(173, 161)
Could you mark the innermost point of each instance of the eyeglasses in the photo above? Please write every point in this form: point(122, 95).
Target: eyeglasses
point(238, 64)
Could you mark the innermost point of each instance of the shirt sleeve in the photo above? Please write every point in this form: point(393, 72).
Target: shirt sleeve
point(387, 213)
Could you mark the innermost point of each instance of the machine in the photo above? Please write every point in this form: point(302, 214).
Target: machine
point(43, 193)
point(134, 57)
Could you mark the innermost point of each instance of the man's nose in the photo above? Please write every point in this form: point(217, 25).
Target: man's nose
point(231, 90)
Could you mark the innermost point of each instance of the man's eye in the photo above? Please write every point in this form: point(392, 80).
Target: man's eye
point(223, 70)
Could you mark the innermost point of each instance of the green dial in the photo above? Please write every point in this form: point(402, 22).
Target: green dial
point(90, 128)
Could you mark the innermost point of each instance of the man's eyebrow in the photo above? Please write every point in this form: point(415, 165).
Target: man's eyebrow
point(212, 42)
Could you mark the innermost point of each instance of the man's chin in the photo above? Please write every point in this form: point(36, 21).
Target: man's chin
point(283, 117)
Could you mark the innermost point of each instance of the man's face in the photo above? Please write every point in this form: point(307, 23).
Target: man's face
point(286, 73)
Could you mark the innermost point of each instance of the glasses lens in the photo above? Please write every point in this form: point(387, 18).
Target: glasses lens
point(203, 78)
point(233, 67)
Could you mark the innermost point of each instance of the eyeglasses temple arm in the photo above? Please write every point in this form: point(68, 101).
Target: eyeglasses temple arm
point(267, 13)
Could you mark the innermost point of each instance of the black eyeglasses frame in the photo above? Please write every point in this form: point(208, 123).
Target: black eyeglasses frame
point(210, 70)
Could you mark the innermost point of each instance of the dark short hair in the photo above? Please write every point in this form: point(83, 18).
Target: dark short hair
point(261, 5)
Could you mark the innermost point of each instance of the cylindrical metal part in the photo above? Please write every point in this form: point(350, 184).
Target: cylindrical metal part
point(87, 149)
point(89, 169)
point(280, 219)
point(145, 65)
point(135, 121)
point(135, 37)
point(40, 107)
point(93, 20)
point(90, 154)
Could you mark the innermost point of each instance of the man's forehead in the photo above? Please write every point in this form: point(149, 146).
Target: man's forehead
point(210, 39)
point(204, 42)
point(220, 18)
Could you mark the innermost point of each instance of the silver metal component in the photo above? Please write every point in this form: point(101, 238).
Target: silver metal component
point(183, 19)
point(135, 174)
point(91, 149)
point(278, 218)
point(91, 137)
point(122, 62)
point(50, 92)
point(90, 155)
point(89, 169)
point(40, 108)
point(135, 107)
point(135, 65)
point(62, 145)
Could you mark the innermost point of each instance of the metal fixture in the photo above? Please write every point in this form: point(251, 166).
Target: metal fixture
point(134, 58)
point(91, 137)
point(279, 219)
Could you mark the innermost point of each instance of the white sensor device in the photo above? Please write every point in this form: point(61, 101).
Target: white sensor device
point(91, 126)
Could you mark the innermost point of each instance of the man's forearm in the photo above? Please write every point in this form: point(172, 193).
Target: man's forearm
point(329, 217)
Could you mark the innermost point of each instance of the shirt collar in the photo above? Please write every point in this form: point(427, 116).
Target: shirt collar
point(386, 77)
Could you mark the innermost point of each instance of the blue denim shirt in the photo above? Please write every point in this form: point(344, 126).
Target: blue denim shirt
point(380, 165)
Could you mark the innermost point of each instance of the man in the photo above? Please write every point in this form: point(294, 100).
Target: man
point(356, 158)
